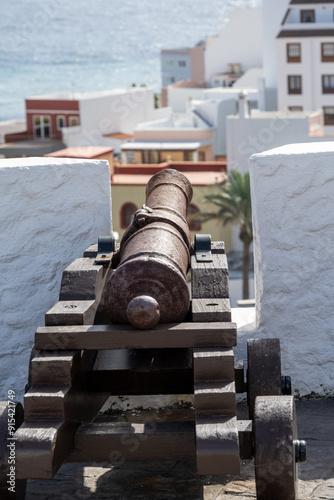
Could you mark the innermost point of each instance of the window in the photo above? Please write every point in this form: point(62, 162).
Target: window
point(169, 62)
point(201, 156)
point(182, 64)
point(188, 156)
point(150, 156)
point(194, 221)
point(294, 84)
point(127, 212)
point(327, 52)
point(42, 126)
point(73, 121)
point(296, 108)
point(329, 115)
point(307, 16)
point(61, 122)
point(293, 52)
point(328, 84)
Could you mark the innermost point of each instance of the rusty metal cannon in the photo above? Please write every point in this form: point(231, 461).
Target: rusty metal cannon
point(150, 282)
point(82, 355)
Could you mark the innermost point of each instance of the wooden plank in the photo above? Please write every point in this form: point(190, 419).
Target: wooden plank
point(217, 445)
point(263, 370)
point(126, 337)
point(122, 441)
point(54, 368)
point(83, 280)
point(210, 279)
point(214, 398)
point(143, 371)
point(62, 403)
point(91, 251)
point(71, 312)
point(211, 310)
point(245, 428)
point(42, 447)
point(213, 363)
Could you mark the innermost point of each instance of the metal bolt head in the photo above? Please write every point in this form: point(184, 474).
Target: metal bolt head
point(300, 447)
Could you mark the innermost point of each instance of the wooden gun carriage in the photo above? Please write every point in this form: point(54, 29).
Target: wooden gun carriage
point(80, 358)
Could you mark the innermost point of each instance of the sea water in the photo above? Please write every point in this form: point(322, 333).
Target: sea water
point(49, 46)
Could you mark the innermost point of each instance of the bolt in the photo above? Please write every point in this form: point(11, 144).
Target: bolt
point(300, 449)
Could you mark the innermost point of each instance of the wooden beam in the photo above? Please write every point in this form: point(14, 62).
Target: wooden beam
point(211, 310)
point(210, 279)
point(54, 368)
point(122, 441)
point(217, 445)
point(71, 312)
point(42, 447)
point(214, 398)
point(213, 363)
point(62, 403)
point(126, 337)
point(83, 280)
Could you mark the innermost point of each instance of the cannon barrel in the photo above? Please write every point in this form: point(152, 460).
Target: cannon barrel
point(150, 285)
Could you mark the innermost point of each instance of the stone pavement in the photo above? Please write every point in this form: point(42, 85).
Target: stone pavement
point(178, 480)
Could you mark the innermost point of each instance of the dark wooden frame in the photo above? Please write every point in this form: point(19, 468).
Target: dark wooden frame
point(326, 120)
point(291, 59)
point(327, 90)
point(298, 90)
point(326, 58)
point(309, 11)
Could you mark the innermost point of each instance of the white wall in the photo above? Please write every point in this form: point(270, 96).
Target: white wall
point(293, 205)
point(273, 12)
point(118, 111)
point(51, 210)
point(262, 131)
point(172, 72)
point(179, 97)
point(239, 42)
point(215, 112)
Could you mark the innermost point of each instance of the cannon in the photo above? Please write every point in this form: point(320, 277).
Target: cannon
point(150, 282)
point(120, 329)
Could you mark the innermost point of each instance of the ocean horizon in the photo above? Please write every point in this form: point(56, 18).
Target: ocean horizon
point(80, 46)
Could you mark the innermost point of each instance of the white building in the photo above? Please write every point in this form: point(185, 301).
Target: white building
point(305, 55)
point(107, 116)
point(182, 64)
point(255, 132)
point(237, 48)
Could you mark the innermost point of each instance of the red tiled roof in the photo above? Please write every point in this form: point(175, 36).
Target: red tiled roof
point(196, 178)
point(82, 152)
point(182, 166)
point(119, 135)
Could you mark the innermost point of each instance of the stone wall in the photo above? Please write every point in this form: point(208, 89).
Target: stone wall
point(51, 210)
point(293, 207)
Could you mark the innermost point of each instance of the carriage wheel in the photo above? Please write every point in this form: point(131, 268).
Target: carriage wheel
point(263, 370)
point(5, 457)
point(277, 450)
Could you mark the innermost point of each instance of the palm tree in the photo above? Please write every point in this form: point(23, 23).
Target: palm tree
point(233, 201)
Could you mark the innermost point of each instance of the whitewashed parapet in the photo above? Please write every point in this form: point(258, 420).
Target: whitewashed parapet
point(293, 207)
point(51, 210)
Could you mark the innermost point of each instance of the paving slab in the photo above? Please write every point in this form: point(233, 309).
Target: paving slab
point(178, 480)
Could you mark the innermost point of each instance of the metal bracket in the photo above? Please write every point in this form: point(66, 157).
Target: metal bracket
point(203, 248)
point(105, 250)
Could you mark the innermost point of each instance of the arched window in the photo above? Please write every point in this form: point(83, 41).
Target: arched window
point(194, 222)
point(127, 212)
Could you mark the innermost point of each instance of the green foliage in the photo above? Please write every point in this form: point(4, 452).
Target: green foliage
point(232, 200)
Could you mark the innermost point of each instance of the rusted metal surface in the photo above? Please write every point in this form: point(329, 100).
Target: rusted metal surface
point(154, 257)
